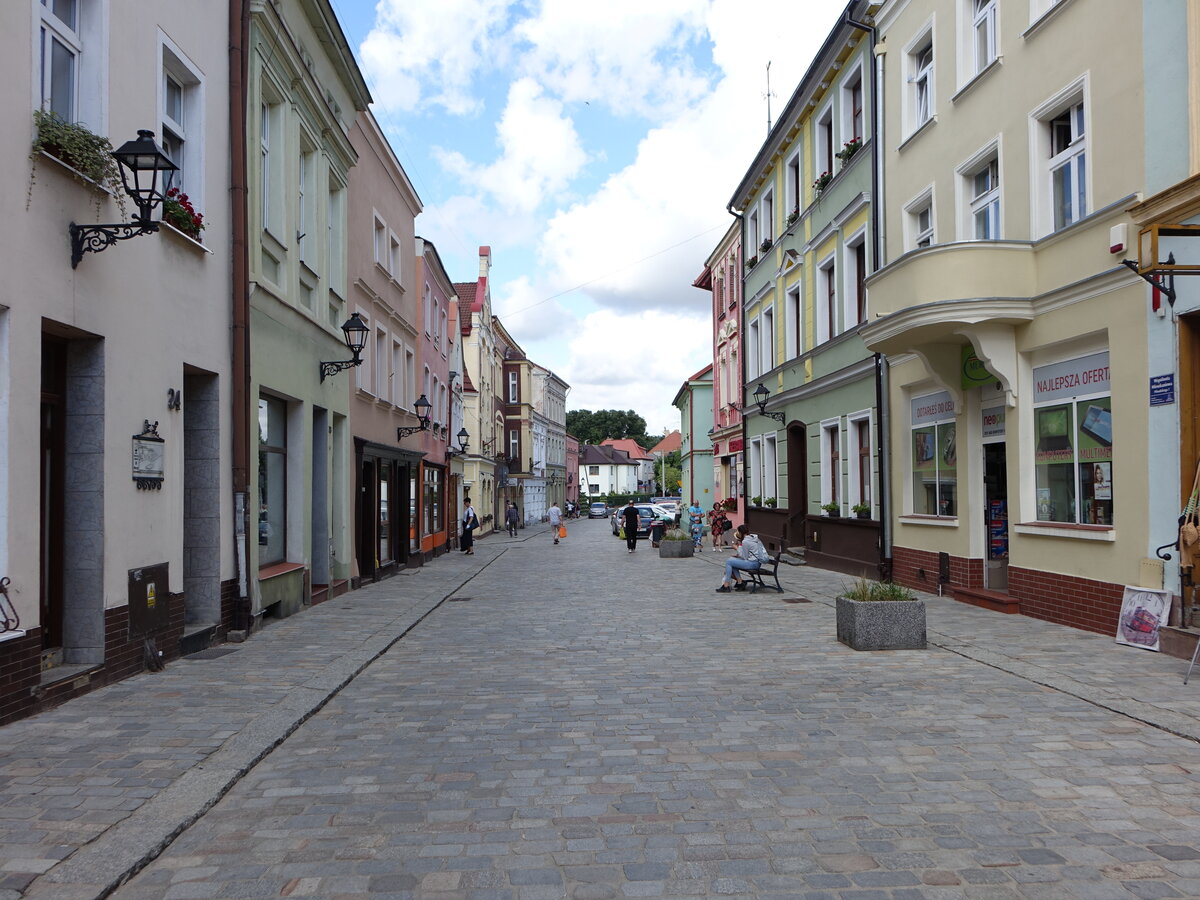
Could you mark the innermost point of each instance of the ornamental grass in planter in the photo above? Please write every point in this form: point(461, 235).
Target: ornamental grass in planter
point(676, 544)
point(875, 615)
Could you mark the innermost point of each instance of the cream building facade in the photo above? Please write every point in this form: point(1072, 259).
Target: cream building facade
point(1011, 148)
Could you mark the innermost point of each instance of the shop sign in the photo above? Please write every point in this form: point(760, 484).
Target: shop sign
point(932, 408)
point(1162, 389)
point(973, 371)
point(1073, 378)
point(735, 445)
point(993, 422)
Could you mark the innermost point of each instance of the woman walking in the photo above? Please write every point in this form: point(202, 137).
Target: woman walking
point(469, 523)
point(719, 524)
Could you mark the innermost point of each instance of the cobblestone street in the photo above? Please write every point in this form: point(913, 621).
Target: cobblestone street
point(576, 721)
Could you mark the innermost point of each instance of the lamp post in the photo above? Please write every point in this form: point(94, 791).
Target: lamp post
point(464, 438)
point(422, 407)
point(355, 331)
point(139, 160)
point(761, 394)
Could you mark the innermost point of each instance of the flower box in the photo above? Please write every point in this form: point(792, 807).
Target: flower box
point(881, 624)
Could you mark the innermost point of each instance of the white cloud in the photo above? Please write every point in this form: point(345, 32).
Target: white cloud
point(540, 152)
point(429, 53)
point(633, 56)
point(529, 317)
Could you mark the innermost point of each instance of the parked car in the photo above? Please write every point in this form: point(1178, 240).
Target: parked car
point(597, 510)
point(646, 515)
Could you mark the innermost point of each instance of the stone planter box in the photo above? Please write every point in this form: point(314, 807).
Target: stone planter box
point(675, 549)
point(881, 625)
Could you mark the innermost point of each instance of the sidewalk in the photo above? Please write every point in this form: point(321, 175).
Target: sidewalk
point(93, 790)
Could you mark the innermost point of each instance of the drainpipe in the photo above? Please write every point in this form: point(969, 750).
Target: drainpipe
point(239, 40)
point(741, 375)
point(883, 432)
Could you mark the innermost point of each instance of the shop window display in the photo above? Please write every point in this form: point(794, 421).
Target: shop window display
point(934, 456)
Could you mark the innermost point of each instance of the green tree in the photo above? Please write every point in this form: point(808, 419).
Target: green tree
point(596, 427)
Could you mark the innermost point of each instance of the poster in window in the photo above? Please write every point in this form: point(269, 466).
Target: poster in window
point(1102, 481)
point(1143, 612)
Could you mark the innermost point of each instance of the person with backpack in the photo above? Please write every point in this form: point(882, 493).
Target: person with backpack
point(750, 557)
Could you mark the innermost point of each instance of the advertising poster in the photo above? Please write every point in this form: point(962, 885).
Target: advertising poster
point(1143, 612)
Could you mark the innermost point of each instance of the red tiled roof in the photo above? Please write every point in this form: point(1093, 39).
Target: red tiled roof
point(466, 292)
point(629, 445)
point(671, 441)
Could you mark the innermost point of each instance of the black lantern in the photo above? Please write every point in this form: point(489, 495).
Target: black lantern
point(140, 162)
point(356, 331)
point(761, 394)
point(464, 439)
point(421, 407)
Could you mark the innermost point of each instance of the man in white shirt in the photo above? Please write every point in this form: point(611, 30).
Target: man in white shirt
point(555, 515)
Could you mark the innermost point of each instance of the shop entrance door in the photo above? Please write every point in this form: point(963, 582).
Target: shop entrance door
point(995, 492)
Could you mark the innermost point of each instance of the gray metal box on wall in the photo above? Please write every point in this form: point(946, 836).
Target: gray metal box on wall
point(149, 600)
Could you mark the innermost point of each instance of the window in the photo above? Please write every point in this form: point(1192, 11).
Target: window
point(934, 456)
point(831, 461)
point(514, 394)
point(825, 155)
point(985, 201)
point(305, 207)
point(394, 256)
point(380, 242)
point(920, 62)
point(383, 530)
point(445, 323)
point(770, 481)
point(428, 309)
point(59, 50)
point(593, 470)
point(752, 232)
point(436, 399)
point(382, 382)
point(852, 108)
point(767, 222)
point(752, 350)
point(398, 386)
point(270, 143)
point(434, 505)
point(410, 378)
point(984, 30)
point(514, 446)
point(767, 327)
point(1072, 428)
point(856, 286)
point(827, 300)
point(1068, 166)
point(919, 217)
point(792, 191)
point(794, 326)
point(335, 229)
point(860, 460)
point(756, 468)
point(272, 480)
point(427, 385)
point(362, 374)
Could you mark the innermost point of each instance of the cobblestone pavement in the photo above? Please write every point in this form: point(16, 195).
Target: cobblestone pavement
point(581, 722)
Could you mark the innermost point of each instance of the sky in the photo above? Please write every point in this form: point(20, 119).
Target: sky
point(594, 147)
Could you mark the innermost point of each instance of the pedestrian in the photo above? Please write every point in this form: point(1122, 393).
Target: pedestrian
point(555, 516)
point(719, 524)
point(696, 523)
point(470, 522)
point(510, 519)
point(750, 556)
point(630, 518)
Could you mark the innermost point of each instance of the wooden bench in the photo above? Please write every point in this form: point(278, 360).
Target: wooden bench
point(771, 568)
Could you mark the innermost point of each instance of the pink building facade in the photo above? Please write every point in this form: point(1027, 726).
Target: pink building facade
point(722, 280)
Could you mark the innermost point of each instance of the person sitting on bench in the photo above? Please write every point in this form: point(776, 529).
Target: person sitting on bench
point(750, 555)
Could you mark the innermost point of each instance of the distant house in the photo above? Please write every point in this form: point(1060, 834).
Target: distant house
point(606, 470)
point(639, 455)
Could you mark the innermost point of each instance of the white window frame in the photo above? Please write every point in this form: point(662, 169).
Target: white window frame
point(854, 494)
point(850, 316)
point(335, 228)
point(272, 141)
point(752, 231)
point(770, 467)
point(514, 388)
point(970, 204)
point(410, 377)
point(752, 349)
point(1074, 155)
point(827, 275)
point(380, 359)
point(428, 308)
point(380, 242)
point(794, 320)
point(755, 461)
point(398, 380)
point(830, 471)
point(766, 329)
point(985, 33)
point(853, 126)
point(826, 141)
point(915, 231)
point(394, 261)
point(767, 218)
point(306, 206)
point(920, 74)
point(88, 44)
point(187, 150)
point(793, 187)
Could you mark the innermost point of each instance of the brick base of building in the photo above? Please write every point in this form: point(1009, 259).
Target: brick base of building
point(1082, 603)
point(24, 692)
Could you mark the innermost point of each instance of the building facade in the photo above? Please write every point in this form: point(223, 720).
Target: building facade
point(606, 470)
point(808, 233)
point(550, 402)
point(483, 467)
point(123, 358)
point(1009, 165)
point(694, 402)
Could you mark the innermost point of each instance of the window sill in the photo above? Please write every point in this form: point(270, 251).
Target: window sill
point(977, 77)
point(12, 635)
point(276, 569)
point(1068, 530)
point(921, 129)
point(936, 521)
point(76, 174)
point(186, 238)
point(1036, 25)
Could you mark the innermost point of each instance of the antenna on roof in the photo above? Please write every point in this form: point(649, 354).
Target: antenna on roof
point(768, 95)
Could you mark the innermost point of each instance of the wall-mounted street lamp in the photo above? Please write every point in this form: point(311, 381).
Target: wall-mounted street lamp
point(356, 331)
point(422, 407)
point(761, 394)
point(464, 439)
point(140, 160)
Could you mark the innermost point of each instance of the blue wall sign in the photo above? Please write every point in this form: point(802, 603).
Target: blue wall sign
point(1162, 389)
